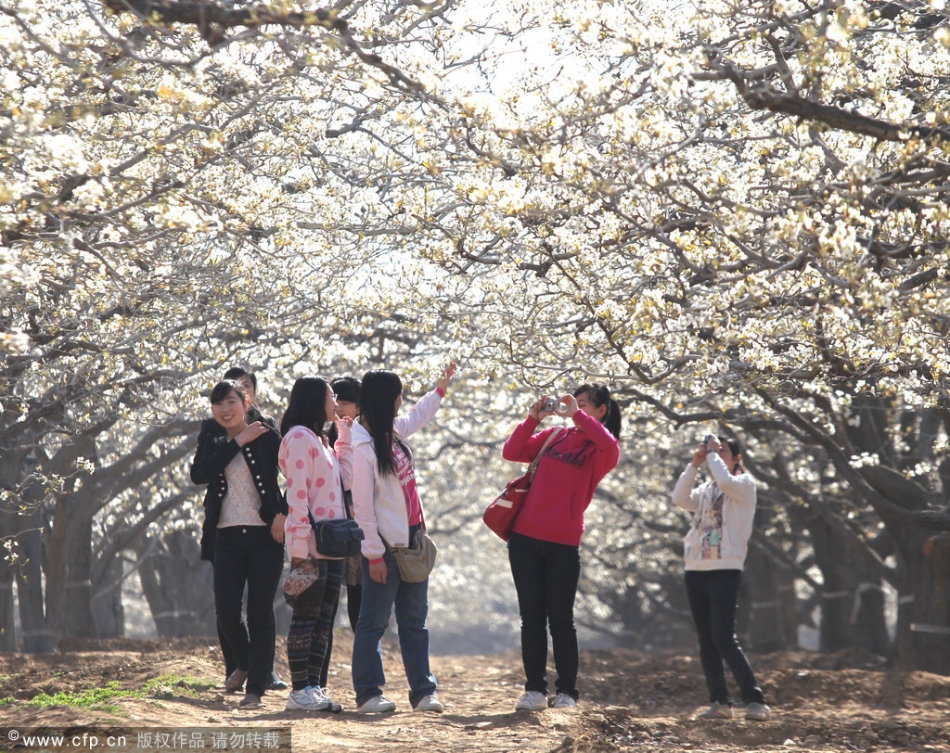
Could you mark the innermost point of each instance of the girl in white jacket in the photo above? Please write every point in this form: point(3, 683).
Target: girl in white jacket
point(387, 506)
point(715, 550)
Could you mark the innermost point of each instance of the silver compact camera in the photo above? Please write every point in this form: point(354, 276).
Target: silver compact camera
point(550, 405)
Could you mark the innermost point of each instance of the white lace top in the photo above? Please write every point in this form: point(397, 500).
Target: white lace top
point(242, 504)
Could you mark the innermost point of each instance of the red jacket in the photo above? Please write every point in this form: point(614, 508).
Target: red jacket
point(572, 466)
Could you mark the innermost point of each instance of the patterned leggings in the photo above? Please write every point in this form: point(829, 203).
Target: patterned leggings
point(311, 627)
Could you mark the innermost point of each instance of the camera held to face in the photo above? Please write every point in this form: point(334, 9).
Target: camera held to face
point(551, 405)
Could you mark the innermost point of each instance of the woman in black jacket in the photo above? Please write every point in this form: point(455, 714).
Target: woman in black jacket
point(243, 532)
point(210, 429)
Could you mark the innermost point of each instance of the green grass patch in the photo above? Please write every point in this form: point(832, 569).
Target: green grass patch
point(172, 685)
point(92, 698)
point(103, 698)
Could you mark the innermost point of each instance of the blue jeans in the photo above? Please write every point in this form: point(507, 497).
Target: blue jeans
point(248, 556)
point(713, 598)
point(411, 602)
point(546, 576)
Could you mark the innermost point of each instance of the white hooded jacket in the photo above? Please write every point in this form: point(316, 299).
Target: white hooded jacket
point(379, 505)
point(723, 512)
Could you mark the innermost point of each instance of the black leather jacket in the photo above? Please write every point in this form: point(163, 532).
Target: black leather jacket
point(214, 453)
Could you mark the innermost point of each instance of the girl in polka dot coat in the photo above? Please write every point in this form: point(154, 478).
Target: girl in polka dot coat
point(314, 488)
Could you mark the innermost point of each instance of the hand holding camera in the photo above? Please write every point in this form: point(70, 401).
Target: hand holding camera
point(709, 444)
point(546, 406)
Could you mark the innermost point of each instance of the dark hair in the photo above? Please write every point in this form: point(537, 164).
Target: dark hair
point(735, 448)
point(347, 389)
point(236, 372)
point(599, 394)
point(378, 395)
point(224, 388)
point(307, 405)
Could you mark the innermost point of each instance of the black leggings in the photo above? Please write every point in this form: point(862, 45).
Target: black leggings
point(713, 598)
point(309, 638)
point(546, 576)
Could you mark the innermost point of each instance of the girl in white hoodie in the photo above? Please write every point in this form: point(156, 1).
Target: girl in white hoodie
point(387, 506)
point(715, 550)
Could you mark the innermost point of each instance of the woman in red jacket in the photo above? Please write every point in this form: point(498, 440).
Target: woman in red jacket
point(544, 547)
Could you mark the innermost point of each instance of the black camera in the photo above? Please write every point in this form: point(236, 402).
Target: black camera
point(707, 439)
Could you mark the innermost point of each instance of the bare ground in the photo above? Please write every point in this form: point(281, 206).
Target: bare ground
point(631, 701)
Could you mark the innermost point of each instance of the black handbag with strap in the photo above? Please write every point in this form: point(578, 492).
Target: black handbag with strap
point(337, 538)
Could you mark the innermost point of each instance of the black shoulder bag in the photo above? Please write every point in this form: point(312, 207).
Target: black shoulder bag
point(337, 538)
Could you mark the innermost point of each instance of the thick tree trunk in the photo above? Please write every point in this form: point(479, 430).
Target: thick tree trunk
point(924, 606)
point(868, 617)
point(763, 607)
point(852, 604)
point(77, 593)
point(178, 586)
point(9, 523)
point(68, 578)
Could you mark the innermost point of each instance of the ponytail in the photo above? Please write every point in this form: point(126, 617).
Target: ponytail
point(599, 394)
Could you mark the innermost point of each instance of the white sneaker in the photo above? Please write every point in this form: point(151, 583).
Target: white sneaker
point(532, 700)
point(758, 712)
point(321, 695)
point(307, 699)
point(563, 701)
point(378, 704)
point(430, 703)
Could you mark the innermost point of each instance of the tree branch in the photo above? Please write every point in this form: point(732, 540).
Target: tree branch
point(212, 18)
point(763, 96)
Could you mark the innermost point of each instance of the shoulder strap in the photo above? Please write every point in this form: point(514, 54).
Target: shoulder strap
point(537, 458)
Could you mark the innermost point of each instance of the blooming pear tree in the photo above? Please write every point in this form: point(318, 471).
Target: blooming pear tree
point(734, 213)
point(743, 217)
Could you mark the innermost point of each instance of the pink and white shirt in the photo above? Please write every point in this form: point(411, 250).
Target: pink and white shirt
point(314, 483)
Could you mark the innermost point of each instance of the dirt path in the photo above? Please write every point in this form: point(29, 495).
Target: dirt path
point(631, 701)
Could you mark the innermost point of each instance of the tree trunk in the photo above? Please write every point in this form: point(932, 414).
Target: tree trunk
point(178, 586)
point(766, 588)
point(77, 593)
point(868, 618)
point(852, 604)
point(8, 642)
point(107, 604)
point(835, 633)
point(37, 634)
point(68, 584)
point(923, 626)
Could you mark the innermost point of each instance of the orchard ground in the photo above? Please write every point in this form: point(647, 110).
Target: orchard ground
point(630, 701)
